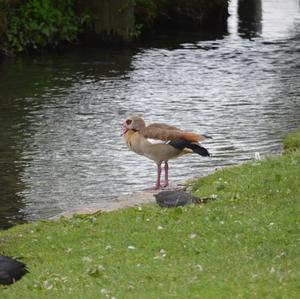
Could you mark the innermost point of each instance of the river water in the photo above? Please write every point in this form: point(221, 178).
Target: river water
point(61, 114)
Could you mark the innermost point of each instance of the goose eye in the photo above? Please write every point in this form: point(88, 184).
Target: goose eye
point(128, 121)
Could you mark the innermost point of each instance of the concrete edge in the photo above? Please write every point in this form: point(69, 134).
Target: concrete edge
point(124, 201)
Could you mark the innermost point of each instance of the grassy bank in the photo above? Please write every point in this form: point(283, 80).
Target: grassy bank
point(245, 244)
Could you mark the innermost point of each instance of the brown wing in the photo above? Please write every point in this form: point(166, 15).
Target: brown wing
point(163, 126)
point(167, 132)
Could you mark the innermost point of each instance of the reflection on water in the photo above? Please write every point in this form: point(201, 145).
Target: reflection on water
point(10, 170)
point(61, 115)
point(250, 18)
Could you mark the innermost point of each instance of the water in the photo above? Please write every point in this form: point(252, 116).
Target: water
point(61, 115)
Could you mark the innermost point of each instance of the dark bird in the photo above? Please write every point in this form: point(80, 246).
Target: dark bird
point(11, 270)
point(168, 199)
point(160, 143)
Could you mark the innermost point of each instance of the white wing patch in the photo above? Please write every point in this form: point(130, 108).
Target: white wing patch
point(156, 141)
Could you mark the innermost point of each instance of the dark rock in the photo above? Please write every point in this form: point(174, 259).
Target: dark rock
point(11, 270)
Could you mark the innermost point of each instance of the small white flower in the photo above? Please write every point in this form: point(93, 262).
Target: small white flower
point(199, 267)
point(272, 270)
point(192, 236)
point(160, 227)
point(147, 219)
point(162, 254)
point(108, 247)
point(131, 247)
point(48, 285)
point(281, 254)
point(140, 208)
point(101, 268)
point(87, 259)
point(93, 219)
point(104, 291)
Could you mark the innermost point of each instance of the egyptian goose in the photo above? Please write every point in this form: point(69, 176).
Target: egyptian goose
point(160, 143)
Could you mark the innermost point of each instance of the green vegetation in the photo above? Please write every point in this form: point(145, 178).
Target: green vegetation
point(292, 141)
point(245, 244)
point(38, 24)
point(41, 23)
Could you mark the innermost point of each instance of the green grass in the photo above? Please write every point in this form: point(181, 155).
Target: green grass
point(292, 141)
point(245, 244)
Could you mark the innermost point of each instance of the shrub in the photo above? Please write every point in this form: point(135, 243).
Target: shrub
point(42, 23)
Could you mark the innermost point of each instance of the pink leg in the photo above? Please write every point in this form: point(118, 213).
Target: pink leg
point(158, 177)
point(157, 186)
point(166, 183)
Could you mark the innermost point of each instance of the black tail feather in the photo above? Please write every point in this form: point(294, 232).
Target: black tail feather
point(198, 149)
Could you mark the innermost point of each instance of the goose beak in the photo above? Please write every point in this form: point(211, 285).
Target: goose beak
point(124, 130)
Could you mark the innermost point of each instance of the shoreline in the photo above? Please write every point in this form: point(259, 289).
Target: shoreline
point(124, 201)
point(247, 237)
